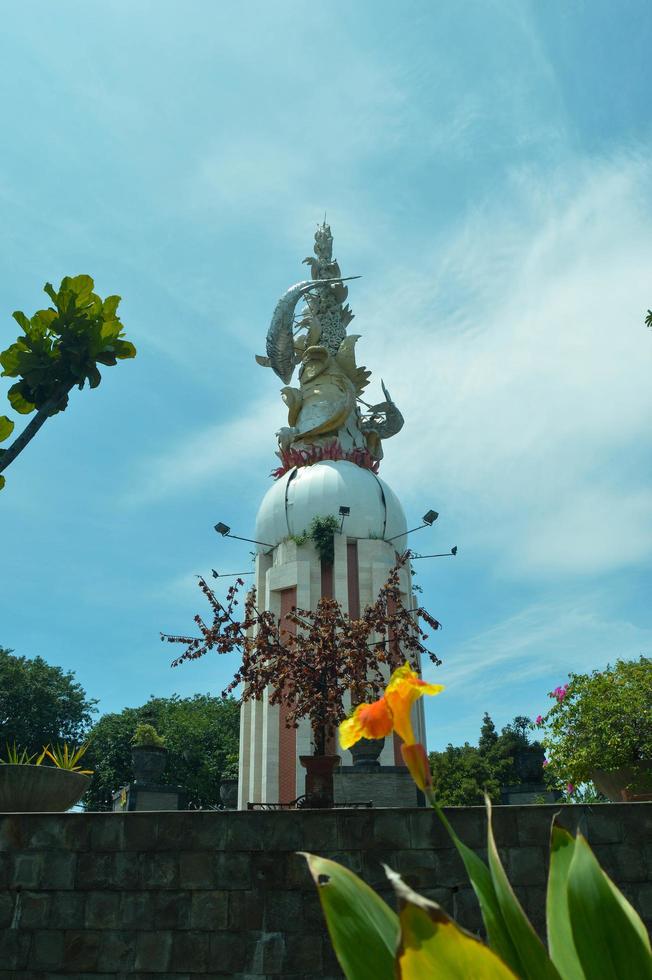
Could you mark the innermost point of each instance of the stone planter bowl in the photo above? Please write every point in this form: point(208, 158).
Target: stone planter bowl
point(40, 789)
point(615, 784)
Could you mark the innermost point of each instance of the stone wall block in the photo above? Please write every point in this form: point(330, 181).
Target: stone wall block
point(58, 870)
point(190, 952)
point(95, 870)
point(268, 870)
point(643, 900)
point(265, 953)
point(227, 953)
point(44, 832)
point(157, 870)
point(319, 831)
point(303, 954)
point(15, 946)
point(534, 824)
point(284, 912)
point(102, 910)
point(26, 870)
point(81, 951)
point(526, 865)
point(34, 909)
point(117, 952)
point(153, 951)
point(137, 910)
point(233, 870)
point(244, 830)
point(171, 909)
point(283, 831)
point(245, 910)
point(107, 832)
point(417, 868)
point(466, 910)
point(449, 870)
point(209, 910)
point(622, 862)
point(443, 897)
point(505, 826)
point(391, 829)
point(197, 869)
point(201, 830)
point(7, 904)
point(636, 819)
point(140, 830)
point(426, 830)
point(67, 909)
point(355, 828)
point(469, 823)
point(603, 825)
point(373, 872)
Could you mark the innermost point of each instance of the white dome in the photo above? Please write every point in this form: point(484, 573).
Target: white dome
point(319, 490)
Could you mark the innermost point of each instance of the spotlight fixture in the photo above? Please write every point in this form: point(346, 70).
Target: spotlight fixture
point(225, 531)
point(228, 574)
point(428, 519)
point(344, 512)
point(444, 554)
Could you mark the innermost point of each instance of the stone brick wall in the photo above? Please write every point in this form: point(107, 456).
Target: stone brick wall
point(175, 894)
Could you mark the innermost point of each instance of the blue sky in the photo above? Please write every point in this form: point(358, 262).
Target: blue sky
point(486, 168)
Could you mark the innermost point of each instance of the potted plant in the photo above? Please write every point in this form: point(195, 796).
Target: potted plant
point(600, 730)
point(30, 784)
point(229, 783)
point(312, 660)
point(148, 754)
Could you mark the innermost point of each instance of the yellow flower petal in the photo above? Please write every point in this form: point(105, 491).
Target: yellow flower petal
point(404, 688)
point(367, 721)
point(415, 758)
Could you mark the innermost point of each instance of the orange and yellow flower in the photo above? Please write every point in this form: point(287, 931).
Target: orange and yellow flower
point(392, 713)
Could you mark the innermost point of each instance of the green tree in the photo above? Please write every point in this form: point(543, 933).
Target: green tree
point(488, 734)
point(60, 347)
point(40, 704)
point(462, 774)
point(201, 734)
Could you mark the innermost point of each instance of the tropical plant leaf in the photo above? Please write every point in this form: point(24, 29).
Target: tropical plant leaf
point(2, 482)
point(560, 935)
point(534, 959)
point(433, 945)
point(364, 930)
point(6, 427)
point(483, 886)
point(610, 939)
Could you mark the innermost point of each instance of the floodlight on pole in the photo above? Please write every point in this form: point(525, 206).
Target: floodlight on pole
point(225, 531)
point(444, 554)
point(344, 512)
point(228, 574)
point(428, 519)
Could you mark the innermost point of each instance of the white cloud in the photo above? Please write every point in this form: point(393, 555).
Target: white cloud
point(226, 451)
point(520, 360)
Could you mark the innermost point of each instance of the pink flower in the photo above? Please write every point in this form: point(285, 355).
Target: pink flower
point(539, 720)
point(570, 789)
point(546, 762)
point(560, 693)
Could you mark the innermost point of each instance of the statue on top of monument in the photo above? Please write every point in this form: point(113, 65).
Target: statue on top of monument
point(325, 420)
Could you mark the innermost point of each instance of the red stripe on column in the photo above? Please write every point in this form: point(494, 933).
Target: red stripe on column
point(287, 737)
point(353, 579)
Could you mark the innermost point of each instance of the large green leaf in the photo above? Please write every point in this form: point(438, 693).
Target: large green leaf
point(560, 935)
point(610, 938)
point(6, 427)
point(363, 929)
point(483, 886)
point(534, 959)
point(17, 401)
point(433, 945)
point(2, 481)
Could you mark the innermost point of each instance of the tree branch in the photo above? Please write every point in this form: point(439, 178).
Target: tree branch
point(8, 455)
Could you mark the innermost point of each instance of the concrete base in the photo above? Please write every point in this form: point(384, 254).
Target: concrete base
point(146, 796)
point(382, 786)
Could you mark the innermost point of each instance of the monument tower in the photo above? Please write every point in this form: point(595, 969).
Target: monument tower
point(330, 452)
